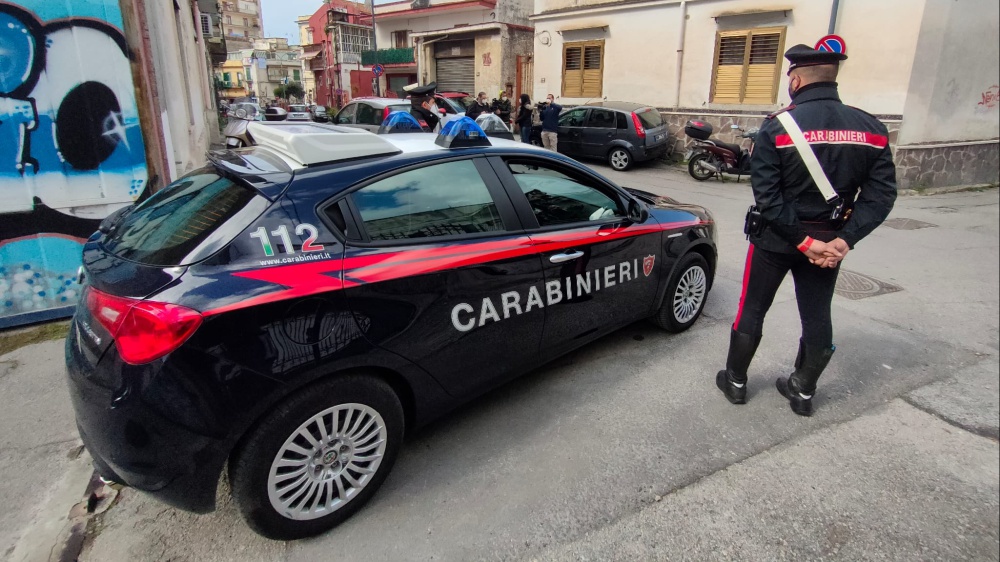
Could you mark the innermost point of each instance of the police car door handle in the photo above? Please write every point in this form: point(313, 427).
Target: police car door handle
point(569, 256)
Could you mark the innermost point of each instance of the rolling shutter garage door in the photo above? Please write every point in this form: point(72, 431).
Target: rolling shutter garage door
point(456, 75)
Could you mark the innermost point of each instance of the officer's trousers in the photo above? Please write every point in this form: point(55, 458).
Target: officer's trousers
point(813, 292)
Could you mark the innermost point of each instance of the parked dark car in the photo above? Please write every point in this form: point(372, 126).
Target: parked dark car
point(620, 133)
point(319, 114)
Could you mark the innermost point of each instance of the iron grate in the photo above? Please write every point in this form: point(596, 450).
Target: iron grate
point(908, 224)
point(857, 286)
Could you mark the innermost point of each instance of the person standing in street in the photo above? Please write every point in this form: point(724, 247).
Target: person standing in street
point(478, 107)
point(823, 179)
point(550, 123)
point(523, 119)
point(501, 107)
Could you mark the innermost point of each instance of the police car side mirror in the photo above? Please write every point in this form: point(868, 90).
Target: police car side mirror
point(637, 212)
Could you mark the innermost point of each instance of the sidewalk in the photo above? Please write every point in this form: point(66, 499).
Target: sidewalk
point(897, 483)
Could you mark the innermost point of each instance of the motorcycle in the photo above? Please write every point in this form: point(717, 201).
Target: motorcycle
point(711, 157)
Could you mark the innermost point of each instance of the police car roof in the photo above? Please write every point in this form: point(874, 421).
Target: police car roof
point(409, 143)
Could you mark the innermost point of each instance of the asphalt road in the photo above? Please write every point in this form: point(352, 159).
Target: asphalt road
point(625, 449)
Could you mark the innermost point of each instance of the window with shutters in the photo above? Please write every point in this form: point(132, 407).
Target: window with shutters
point(401, 39)
point(583, 69)
point(747, 64)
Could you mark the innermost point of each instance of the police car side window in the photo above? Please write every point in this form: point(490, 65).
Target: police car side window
point(442, 200)
point(558, 198)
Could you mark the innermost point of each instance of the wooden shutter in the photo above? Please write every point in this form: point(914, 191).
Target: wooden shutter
point(747, 63)
point(593, 70)
point(583, 69)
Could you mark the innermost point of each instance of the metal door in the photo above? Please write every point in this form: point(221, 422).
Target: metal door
point(456, 74)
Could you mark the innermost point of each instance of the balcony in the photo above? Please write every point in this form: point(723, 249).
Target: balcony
point(388, 56)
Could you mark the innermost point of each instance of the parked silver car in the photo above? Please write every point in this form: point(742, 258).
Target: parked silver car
point(368, 113)
point(299, 113)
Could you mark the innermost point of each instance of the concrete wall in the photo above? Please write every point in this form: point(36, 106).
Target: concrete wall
point(489, 64)
point(954, 84)
point(641, 43)
point(187, 109)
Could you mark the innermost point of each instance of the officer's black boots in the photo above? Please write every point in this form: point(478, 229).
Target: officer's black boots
point(800, 386)
point(733, 380)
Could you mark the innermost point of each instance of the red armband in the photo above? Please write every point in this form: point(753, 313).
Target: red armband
point(806, 244)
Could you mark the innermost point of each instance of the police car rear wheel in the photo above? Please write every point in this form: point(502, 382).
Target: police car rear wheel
point(318, 457)
point(686, 295)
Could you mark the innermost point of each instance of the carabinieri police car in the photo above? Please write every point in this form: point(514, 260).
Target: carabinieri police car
point(293, 307)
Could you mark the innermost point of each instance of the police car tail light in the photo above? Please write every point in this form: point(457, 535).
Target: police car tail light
point(639, 130)
point(144, 330)
point(462, 133)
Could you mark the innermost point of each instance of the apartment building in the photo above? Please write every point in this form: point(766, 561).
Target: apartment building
point(241, 22)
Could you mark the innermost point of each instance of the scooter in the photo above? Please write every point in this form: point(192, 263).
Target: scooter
point(711, 157)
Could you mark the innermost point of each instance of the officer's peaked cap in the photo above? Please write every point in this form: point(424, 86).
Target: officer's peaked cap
point(803, 55)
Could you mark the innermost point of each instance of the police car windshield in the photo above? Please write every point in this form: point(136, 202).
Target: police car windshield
point(170, 225)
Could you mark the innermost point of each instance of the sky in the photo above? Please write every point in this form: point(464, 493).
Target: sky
point(279, 16)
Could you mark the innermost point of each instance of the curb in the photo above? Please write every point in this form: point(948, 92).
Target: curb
point(946, 189)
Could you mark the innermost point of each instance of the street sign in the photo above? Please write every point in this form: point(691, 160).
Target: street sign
point(378, 70)
point(832, 44)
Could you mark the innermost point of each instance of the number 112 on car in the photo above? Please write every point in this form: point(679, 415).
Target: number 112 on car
point(308, 245)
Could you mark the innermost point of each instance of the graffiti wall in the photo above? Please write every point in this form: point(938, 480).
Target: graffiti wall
point(71, 151)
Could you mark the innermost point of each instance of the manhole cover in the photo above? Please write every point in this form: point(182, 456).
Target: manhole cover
point(856, 286)
point(908, 224)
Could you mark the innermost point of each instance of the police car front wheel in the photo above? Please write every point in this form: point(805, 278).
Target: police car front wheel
point(686, 294)
point(318, 457)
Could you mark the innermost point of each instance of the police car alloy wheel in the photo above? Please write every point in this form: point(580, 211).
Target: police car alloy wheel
point(318, 457)
point(686, 294)
point(620, 159)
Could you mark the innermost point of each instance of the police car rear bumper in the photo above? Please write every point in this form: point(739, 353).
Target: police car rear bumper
point(133, 443)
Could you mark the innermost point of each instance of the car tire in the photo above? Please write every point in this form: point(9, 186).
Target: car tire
point(686, 294)
point(696, 171)
point(620, 159)
point(266, 470)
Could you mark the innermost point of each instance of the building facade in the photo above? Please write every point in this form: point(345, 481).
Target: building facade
point(308, 78)
point(463, 45)
point(721, 61)
point(341, 31)
point(256, 72)
point(241, 22)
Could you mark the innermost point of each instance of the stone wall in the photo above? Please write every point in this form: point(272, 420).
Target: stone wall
point(939, 166)
point(916, 167)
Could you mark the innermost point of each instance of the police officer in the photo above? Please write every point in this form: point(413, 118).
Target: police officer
point(802, 231)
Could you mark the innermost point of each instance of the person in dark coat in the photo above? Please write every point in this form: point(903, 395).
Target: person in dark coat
point(424, 108)
point(523, 119)
point(478, 107)
point(804, 231)
point(501, 106)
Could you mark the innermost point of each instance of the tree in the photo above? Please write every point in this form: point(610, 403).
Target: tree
point(290, 90)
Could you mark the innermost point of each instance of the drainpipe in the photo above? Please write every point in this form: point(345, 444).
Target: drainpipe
point(680, 55)
point(833, 17)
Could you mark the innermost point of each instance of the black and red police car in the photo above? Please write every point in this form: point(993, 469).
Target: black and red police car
point(291, 308)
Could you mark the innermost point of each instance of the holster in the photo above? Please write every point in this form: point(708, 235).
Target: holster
point(754, 223)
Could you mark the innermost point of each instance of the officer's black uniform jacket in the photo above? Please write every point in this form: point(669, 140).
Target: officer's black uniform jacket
point(853, 149)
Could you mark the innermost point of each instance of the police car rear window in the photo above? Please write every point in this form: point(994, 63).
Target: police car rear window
point(443, 200)
point(170, 225)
